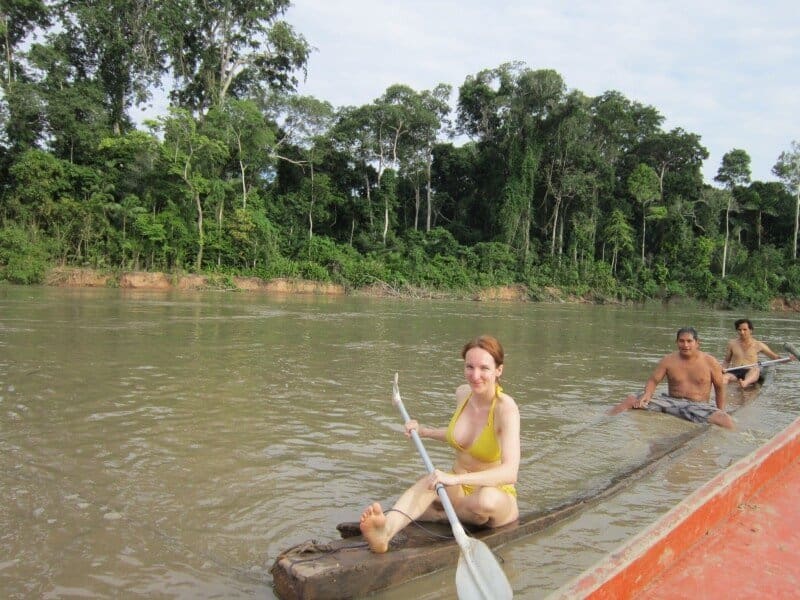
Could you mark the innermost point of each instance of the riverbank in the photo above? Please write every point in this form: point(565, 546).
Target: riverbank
point(143, 280)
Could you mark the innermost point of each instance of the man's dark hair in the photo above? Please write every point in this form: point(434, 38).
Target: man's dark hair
point(741, 321)
point(691, 330)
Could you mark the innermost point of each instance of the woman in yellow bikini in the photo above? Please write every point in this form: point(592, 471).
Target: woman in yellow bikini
point(484, 432)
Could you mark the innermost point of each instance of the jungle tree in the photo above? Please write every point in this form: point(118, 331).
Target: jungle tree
point(788, 170)
point(619, 234)
point(122, 46)
point(222, 48)
point(734, 172)
point(677, 157)
point(194, 158)
point(387, 134)
point(760, 198)
point(305, 125)
point(643, 185)
point(18, 18)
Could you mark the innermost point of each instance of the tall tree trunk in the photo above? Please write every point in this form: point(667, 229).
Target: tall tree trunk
point(644, 225)
point(796, 223)
point(758, 229)
point(416, 207)
point(9, 51)
point(727, 235)
point(556, 206)
point(526, 233)
point(220, 219)
point(242, 170)
point(385, 218)
point(369, 201)
point(200, 238)
point(428, 190)
point(311, 206)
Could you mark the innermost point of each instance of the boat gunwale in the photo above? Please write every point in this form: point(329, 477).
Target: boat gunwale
point(630, 568)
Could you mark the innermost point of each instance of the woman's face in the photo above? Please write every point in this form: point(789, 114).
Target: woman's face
point(480, 370)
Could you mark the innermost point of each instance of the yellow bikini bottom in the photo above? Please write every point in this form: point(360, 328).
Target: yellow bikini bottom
point(507, 488)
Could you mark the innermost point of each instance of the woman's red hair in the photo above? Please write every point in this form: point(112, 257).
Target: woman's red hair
point(488, 343)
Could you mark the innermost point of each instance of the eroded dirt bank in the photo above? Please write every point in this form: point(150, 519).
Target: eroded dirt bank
point(78, 277)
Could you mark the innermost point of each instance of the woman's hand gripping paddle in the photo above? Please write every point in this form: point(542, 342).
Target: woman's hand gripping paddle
point(478, 575)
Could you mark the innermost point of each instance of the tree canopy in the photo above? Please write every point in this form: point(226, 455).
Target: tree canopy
point(512, 178)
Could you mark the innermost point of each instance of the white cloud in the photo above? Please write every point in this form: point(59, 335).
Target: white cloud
point(727, 71)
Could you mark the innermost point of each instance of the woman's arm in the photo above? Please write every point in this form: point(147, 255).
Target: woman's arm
point(433, 433)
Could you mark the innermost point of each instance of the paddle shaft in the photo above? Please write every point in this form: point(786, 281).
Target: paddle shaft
point(458, 529)
point(759, 364)
point(787, 346)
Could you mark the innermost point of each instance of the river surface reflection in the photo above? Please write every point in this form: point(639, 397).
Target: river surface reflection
point(170, 445)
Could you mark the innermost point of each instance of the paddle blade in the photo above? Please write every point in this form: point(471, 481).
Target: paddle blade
point(790, 348)
point(479, 576)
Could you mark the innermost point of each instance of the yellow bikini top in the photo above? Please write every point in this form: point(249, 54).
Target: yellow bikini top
point(485, 448)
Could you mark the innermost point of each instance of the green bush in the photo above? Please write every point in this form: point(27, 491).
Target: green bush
point(444, 272)
point(790, 286)
point(745, 293)
point(675, 288)
point(360, 272)
point(440, 241)
point(313, 271)
point(278, 266)
point(21, 259)
point(495, 263)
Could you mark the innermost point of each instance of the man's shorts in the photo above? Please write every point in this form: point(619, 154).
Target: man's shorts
point(740, 373)
point(690, 410)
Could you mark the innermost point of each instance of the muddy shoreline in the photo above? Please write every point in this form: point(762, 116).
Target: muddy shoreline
point(143, 280)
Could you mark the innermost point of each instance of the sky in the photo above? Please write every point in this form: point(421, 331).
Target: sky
point(727, 71)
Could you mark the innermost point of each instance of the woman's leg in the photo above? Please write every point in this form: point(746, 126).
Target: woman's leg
point(489, 506)
point(378, 527)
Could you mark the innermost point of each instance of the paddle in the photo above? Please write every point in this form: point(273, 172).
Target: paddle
point(478, 575)
point(787, 346)
point(760, 364)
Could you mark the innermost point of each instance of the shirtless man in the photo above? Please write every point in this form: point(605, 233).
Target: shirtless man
point(744, 351)
point(690, 375)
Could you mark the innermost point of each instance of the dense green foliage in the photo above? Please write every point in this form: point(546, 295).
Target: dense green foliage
point(243, 176)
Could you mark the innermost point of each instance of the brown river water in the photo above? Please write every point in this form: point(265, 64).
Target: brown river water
point(171, 444)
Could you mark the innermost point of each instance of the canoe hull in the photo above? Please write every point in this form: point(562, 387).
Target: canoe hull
point(346, 568)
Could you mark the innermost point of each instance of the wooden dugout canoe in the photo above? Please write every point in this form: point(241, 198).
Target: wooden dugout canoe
point(346, 568)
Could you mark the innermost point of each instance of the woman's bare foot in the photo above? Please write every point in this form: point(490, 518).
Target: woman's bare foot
point(373, 528)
